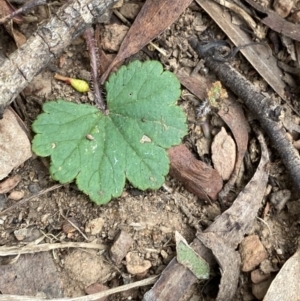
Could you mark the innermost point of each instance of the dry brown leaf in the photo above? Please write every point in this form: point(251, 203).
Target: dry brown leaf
point(259, 56)
point(232, 113)
point(6, 9)
point(286, 285)
point(229, 229)
point(196, 176)
point(229, 261)
point(197, 84)
point(277, 23)
point(223, 154)
point(236, 221)
point(154, 17)
point(19, 38)
point(15, 146)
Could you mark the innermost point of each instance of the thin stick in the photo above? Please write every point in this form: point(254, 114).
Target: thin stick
point(88, 35)
point(23, 201)
point(31, 249)
point(92, 297)
point(23, 9)
point(263, 108)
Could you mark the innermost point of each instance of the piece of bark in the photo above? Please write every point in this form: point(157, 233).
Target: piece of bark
point(120, 247)
point(195, 175)
point(47, 43)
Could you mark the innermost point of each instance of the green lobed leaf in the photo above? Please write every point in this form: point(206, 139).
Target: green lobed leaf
point(101, 151)
point(190, 259)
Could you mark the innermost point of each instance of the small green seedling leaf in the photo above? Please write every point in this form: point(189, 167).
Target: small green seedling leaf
point(101, 150)
point(190, 259)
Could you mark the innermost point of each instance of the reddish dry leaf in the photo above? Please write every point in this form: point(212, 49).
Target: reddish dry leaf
point(19, 38)
point(197, 84)
point(232, 113)
point(154, 17)
point(196, 176)
point(7, 9)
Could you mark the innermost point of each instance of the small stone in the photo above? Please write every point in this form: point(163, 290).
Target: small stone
point(16, 195)
point(27, 234)
point(259, 290)
point(113, 36)
point(164, 254)
point(97, 288)
point(252, 252)
point(130, 10)
point(135, 264)
point(279, 198)
point(94, 226)
point(295, 17)
point(8, 184)
point(258, 276)
point(34, 188)
point(87, 267)
point(283, 7)
point(267, 267)
point(68, 228)
point(120, 247)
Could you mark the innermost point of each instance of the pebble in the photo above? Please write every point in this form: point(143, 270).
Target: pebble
point(135, 264)
point(283, 7)
point(34, 188)
point(16, 195)
point(259, 290)
point(113, 36)
point(97, 288)
point(94, 226)
point(252, 252)
point(130, 10)
point(120, 247)
point(258, 276)
point(279, 198)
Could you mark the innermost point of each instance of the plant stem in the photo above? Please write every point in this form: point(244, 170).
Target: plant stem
point(88, 35)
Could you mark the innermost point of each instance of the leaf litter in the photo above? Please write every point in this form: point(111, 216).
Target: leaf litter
point(72, 200)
